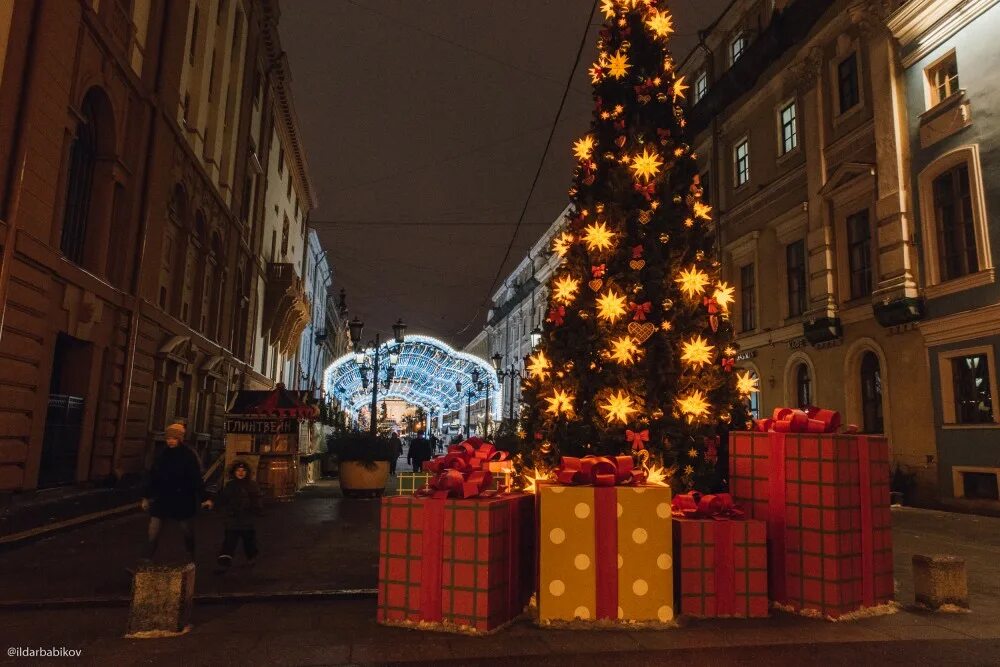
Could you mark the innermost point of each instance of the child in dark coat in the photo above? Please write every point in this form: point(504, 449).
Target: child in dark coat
point(240, 498)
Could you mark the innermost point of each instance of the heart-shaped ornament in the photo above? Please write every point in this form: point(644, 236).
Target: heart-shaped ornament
point(637, 264)
point(620, 141)
point(645, 217)
point(596, 284)
point(641, 331)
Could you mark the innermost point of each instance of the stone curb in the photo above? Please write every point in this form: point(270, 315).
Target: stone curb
point(209, 598)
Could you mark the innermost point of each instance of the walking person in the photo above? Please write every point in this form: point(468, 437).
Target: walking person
point(435, 443)
point(240, 498)
point(174, 491)
point(395, 451)
point(420, 451)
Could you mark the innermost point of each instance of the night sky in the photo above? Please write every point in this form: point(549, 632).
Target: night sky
point(424, 123)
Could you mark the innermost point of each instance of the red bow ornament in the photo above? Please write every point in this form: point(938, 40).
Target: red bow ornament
point(637, 251)
point(647, 191)
point(727, 364)
point(557, 315)
point(640, 310)
point(599, 471)
point(637, 438)
point(714, 309)
point(598, 270)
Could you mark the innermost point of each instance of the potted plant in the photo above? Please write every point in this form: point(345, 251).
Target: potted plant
point(363, 463)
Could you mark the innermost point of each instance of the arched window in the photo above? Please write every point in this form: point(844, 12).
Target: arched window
point(803, 386)
point(871, 393)
point(80, 183)
point(171, 254)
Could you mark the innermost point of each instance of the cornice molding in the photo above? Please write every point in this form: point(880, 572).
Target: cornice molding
point(929, 23)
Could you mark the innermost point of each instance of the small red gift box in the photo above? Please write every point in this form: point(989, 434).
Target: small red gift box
point(721, 564)
point(825, 498)
point(458, 563)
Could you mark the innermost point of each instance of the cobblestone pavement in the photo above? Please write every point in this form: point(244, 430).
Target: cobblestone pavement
point(322, 541)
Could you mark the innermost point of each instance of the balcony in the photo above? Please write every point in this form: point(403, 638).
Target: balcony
point(287, 311)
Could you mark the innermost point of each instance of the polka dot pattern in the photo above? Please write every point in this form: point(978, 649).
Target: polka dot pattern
point(582, 510)
point(557, 587)
point(639, 536)
point(582, 561)
point(582, 613)
point(557, 535)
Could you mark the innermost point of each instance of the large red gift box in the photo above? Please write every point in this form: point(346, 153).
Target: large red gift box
point(721, 567)
point(456, 563)
point(825, 498)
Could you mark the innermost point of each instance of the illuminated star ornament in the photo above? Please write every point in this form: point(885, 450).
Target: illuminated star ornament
point(746, 383)
point(702, 210)
point(692, 281)
point(608, 7)
point(611, 306)
point(693, 405)
point(679, 88)
point(619, 407)
point(623, 350)
point(584, 148)
point(697, 352)
point(618, 65)
point(661, 23)
point(560, 403)
point(647, 165)
point(598, 236)
point(565, 289)
point(539, 366)
point(724, 296)
point(562, 243)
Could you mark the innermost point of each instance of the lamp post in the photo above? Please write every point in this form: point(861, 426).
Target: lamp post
point(477, 385)
point(377, 350)
point(513, 372)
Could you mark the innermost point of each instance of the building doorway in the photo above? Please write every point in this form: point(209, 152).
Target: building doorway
point(71, 367)
point(871, 394)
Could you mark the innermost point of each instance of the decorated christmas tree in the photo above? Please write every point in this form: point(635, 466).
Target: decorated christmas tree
point(637, 351)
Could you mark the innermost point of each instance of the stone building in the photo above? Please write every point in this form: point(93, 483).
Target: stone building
point(948, 54)
point(137, 144)
point(796, 115)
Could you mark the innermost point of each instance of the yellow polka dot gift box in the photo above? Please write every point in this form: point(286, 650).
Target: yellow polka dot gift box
point(605, 545)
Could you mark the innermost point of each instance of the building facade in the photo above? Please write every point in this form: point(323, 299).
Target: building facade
point(135, 284)
point(948, 51)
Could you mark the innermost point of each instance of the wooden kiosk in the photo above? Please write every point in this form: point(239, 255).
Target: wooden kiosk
point(262, 427)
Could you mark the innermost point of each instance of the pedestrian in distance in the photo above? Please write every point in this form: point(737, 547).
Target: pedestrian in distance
point(435, 443)
point(240, 498)
point(420, 451)
point(395, 451)
point(173, 492)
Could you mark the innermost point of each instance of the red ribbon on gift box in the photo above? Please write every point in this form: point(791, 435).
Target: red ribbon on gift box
point(599, 471)
point(807, 420)
point(723, 510)
point(464, 471)
point(695, 505)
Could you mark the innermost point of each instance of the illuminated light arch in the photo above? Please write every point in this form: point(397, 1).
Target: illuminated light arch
point(425, 375)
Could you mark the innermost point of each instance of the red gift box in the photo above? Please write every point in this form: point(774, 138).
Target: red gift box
point(458, 563)
point(825, 498)
point(721, 567)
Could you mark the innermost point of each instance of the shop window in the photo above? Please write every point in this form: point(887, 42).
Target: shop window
point(980, 486)
point(787, 119)
point(795, 261)
point(871, 394)
point(942, 77)
point(972, 389)
point(859, 254)
point(748, 305)
point(848, 93)
point(741, 162)
point(803, 386)
point(956, 232)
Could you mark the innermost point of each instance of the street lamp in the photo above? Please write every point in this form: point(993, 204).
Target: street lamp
point(536, 337)
point(376, 350)
point(511, 373)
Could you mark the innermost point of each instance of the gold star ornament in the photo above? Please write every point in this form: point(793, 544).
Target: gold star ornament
point(624, 350)
point(724, 296)
point(702, 210)
point(693, 405)
point(619, 407)
point(565, 289)
point(647, 165)
point(539, 365)
point(560, 403)
point(598, 237)
point(679, 88)
point(661, 23)
point(618, 65)
point(584, 148)
point(746, 383)
point(611, 306)
point(697, 352)
point(608, 7)
point(692, 281)
point(562, 243)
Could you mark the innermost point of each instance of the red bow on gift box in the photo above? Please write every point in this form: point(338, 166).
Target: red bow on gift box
point(637, 438)
point(807, 420)
point(557, 315)
point(599, 471)
point(640, 310)
point(709, 506)
point(463, 472)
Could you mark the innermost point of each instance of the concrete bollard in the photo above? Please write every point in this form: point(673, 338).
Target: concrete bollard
point(162, 599)
point(939, 581)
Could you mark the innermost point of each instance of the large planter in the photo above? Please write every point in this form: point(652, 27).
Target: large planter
point(358, 479)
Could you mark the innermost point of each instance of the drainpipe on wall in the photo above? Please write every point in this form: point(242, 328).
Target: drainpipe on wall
point(133, 327)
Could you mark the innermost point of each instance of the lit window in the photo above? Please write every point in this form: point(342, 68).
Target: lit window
point(847, 82)
point(973, 394)
point(742, 162)
point(748, 304)
point(700, 86)
point(789, 129)
point(943, 79)
point(859, 254)
point(956, 233)
point(737, 47)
